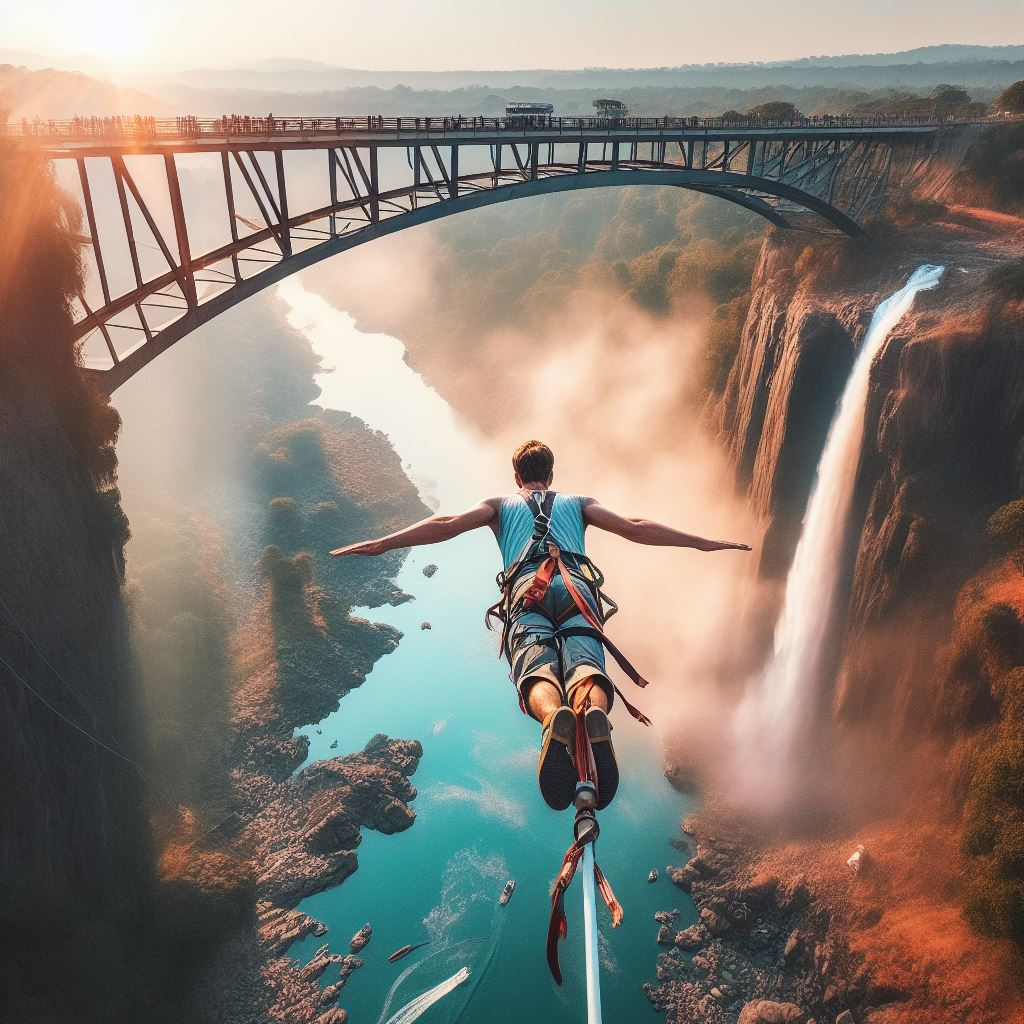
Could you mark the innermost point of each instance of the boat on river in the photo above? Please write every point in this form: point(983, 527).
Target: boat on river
point(405, 951)
point(506, 893)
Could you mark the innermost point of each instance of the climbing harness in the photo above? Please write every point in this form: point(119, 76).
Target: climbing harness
point(544, 557)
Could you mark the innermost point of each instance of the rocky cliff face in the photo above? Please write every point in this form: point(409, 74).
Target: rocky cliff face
point(943, 441)
point(927, 628)
point(75, 863)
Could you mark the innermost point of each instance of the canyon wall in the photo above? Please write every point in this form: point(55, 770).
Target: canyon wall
point(75, 858)
point(944, 429)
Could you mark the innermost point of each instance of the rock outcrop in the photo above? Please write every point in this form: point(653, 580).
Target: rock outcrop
point(944, 435)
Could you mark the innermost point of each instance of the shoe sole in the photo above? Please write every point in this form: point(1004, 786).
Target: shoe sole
point(556, 772)
point(599, 729)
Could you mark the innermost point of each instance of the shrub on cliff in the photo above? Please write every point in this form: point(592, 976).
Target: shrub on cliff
point(994, 167)
point(1008, 279)
point(284, 522)
point(775, 110)
point(1006, 528)
point(1010, 100)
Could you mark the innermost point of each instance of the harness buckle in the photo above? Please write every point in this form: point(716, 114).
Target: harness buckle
point(585, 798)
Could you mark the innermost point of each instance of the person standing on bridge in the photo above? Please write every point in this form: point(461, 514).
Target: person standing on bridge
point(552, 609)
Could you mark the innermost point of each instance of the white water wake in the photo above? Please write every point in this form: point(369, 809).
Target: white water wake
point(419, 1006)
point(776, 716)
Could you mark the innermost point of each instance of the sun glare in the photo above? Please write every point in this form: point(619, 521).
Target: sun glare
point(121, 38)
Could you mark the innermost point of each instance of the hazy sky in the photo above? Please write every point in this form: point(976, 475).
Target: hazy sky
point(438, 34)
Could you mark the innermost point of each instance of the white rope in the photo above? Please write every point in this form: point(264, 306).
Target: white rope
point(593, 963)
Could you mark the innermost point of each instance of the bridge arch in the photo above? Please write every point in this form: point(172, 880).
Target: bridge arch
point(709, 183)
point(840, 174)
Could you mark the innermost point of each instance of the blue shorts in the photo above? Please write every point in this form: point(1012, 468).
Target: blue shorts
point(535, 654)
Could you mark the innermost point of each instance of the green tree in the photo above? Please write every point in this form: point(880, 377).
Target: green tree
point(949, 99)
point(775, 110)
point(1011, 99)
point(1006, 527)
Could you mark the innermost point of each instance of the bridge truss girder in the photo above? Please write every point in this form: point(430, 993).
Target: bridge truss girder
point(840, 178)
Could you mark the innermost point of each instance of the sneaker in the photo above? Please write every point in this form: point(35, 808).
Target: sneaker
point(556, 771)
point(599, 729)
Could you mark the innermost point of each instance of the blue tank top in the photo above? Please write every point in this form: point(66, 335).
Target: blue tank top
point(515, 526)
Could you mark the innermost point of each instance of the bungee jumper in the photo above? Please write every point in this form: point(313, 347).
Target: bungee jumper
point(552, 612)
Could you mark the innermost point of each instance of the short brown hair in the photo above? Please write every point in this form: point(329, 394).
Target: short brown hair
point(534, 462)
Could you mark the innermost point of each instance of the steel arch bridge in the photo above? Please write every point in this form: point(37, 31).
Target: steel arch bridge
point(183, 219)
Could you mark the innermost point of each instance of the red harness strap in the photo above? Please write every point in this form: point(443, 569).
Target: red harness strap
point(595, 627)
point(558, 926)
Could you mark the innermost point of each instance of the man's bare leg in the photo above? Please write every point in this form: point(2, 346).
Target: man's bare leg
point(543, 698)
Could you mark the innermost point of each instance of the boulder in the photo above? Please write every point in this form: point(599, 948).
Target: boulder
point(335, 1015)
point(692, 938)
point(361, 938)
point(666, 916)
point(684, 877)
point(665, 935)
point(429, 570)
point(715, 923)
point(764, 1011)
point(791, 944)
point(426, 625)
point(846, 1017)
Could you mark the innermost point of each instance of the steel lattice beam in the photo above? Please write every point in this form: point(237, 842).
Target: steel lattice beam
point(842, 175)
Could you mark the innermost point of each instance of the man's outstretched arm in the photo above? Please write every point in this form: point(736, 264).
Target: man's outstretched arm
point(432, 530)
point(643, 531)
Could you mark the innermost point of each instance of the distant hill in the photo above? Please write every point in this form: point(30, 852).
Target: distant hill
point(989, 67)
point(289, 64)
point(63, 94)
point(947, 53)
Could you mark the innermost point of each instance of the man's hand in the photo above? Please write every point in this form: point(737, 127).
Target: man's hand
point(366, 547)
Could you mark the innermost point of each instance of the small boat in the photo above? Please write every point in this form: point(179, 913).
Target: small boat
point(506, 893)
point(405, 951)
point(653, 876)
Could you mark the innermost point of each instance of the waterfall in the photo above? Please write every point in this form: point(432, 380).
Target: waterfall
point(776, 716)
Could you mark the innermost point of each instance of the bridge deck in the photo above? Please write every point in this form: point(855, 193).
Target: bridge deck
point(101, 136)
point(184, 218)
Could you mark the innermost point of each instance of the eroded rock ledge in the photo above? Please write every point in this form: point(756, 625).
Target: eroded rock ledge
point(787, 933)
point(762, 951)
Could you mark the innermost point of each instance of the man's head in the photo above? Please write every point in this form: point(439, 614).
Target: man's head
point(533, 463)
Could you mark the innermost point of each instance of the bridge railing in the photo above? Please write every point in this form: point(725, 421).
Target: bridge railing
point(139, 127)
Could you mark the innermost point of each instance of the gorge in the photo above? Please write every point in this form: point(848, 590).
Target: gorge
point(213, 655)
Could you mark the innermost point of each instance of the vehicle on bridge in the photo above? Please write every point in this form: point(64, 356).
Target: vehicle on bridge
point(526, 114)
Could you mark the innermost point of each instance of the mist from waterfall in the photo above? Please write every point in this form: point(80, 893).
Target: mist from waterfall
point(778, 712)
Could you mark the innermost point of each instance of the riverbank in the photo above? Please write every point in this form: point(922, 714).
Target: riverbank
point(789, 923)
point(246, 630)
